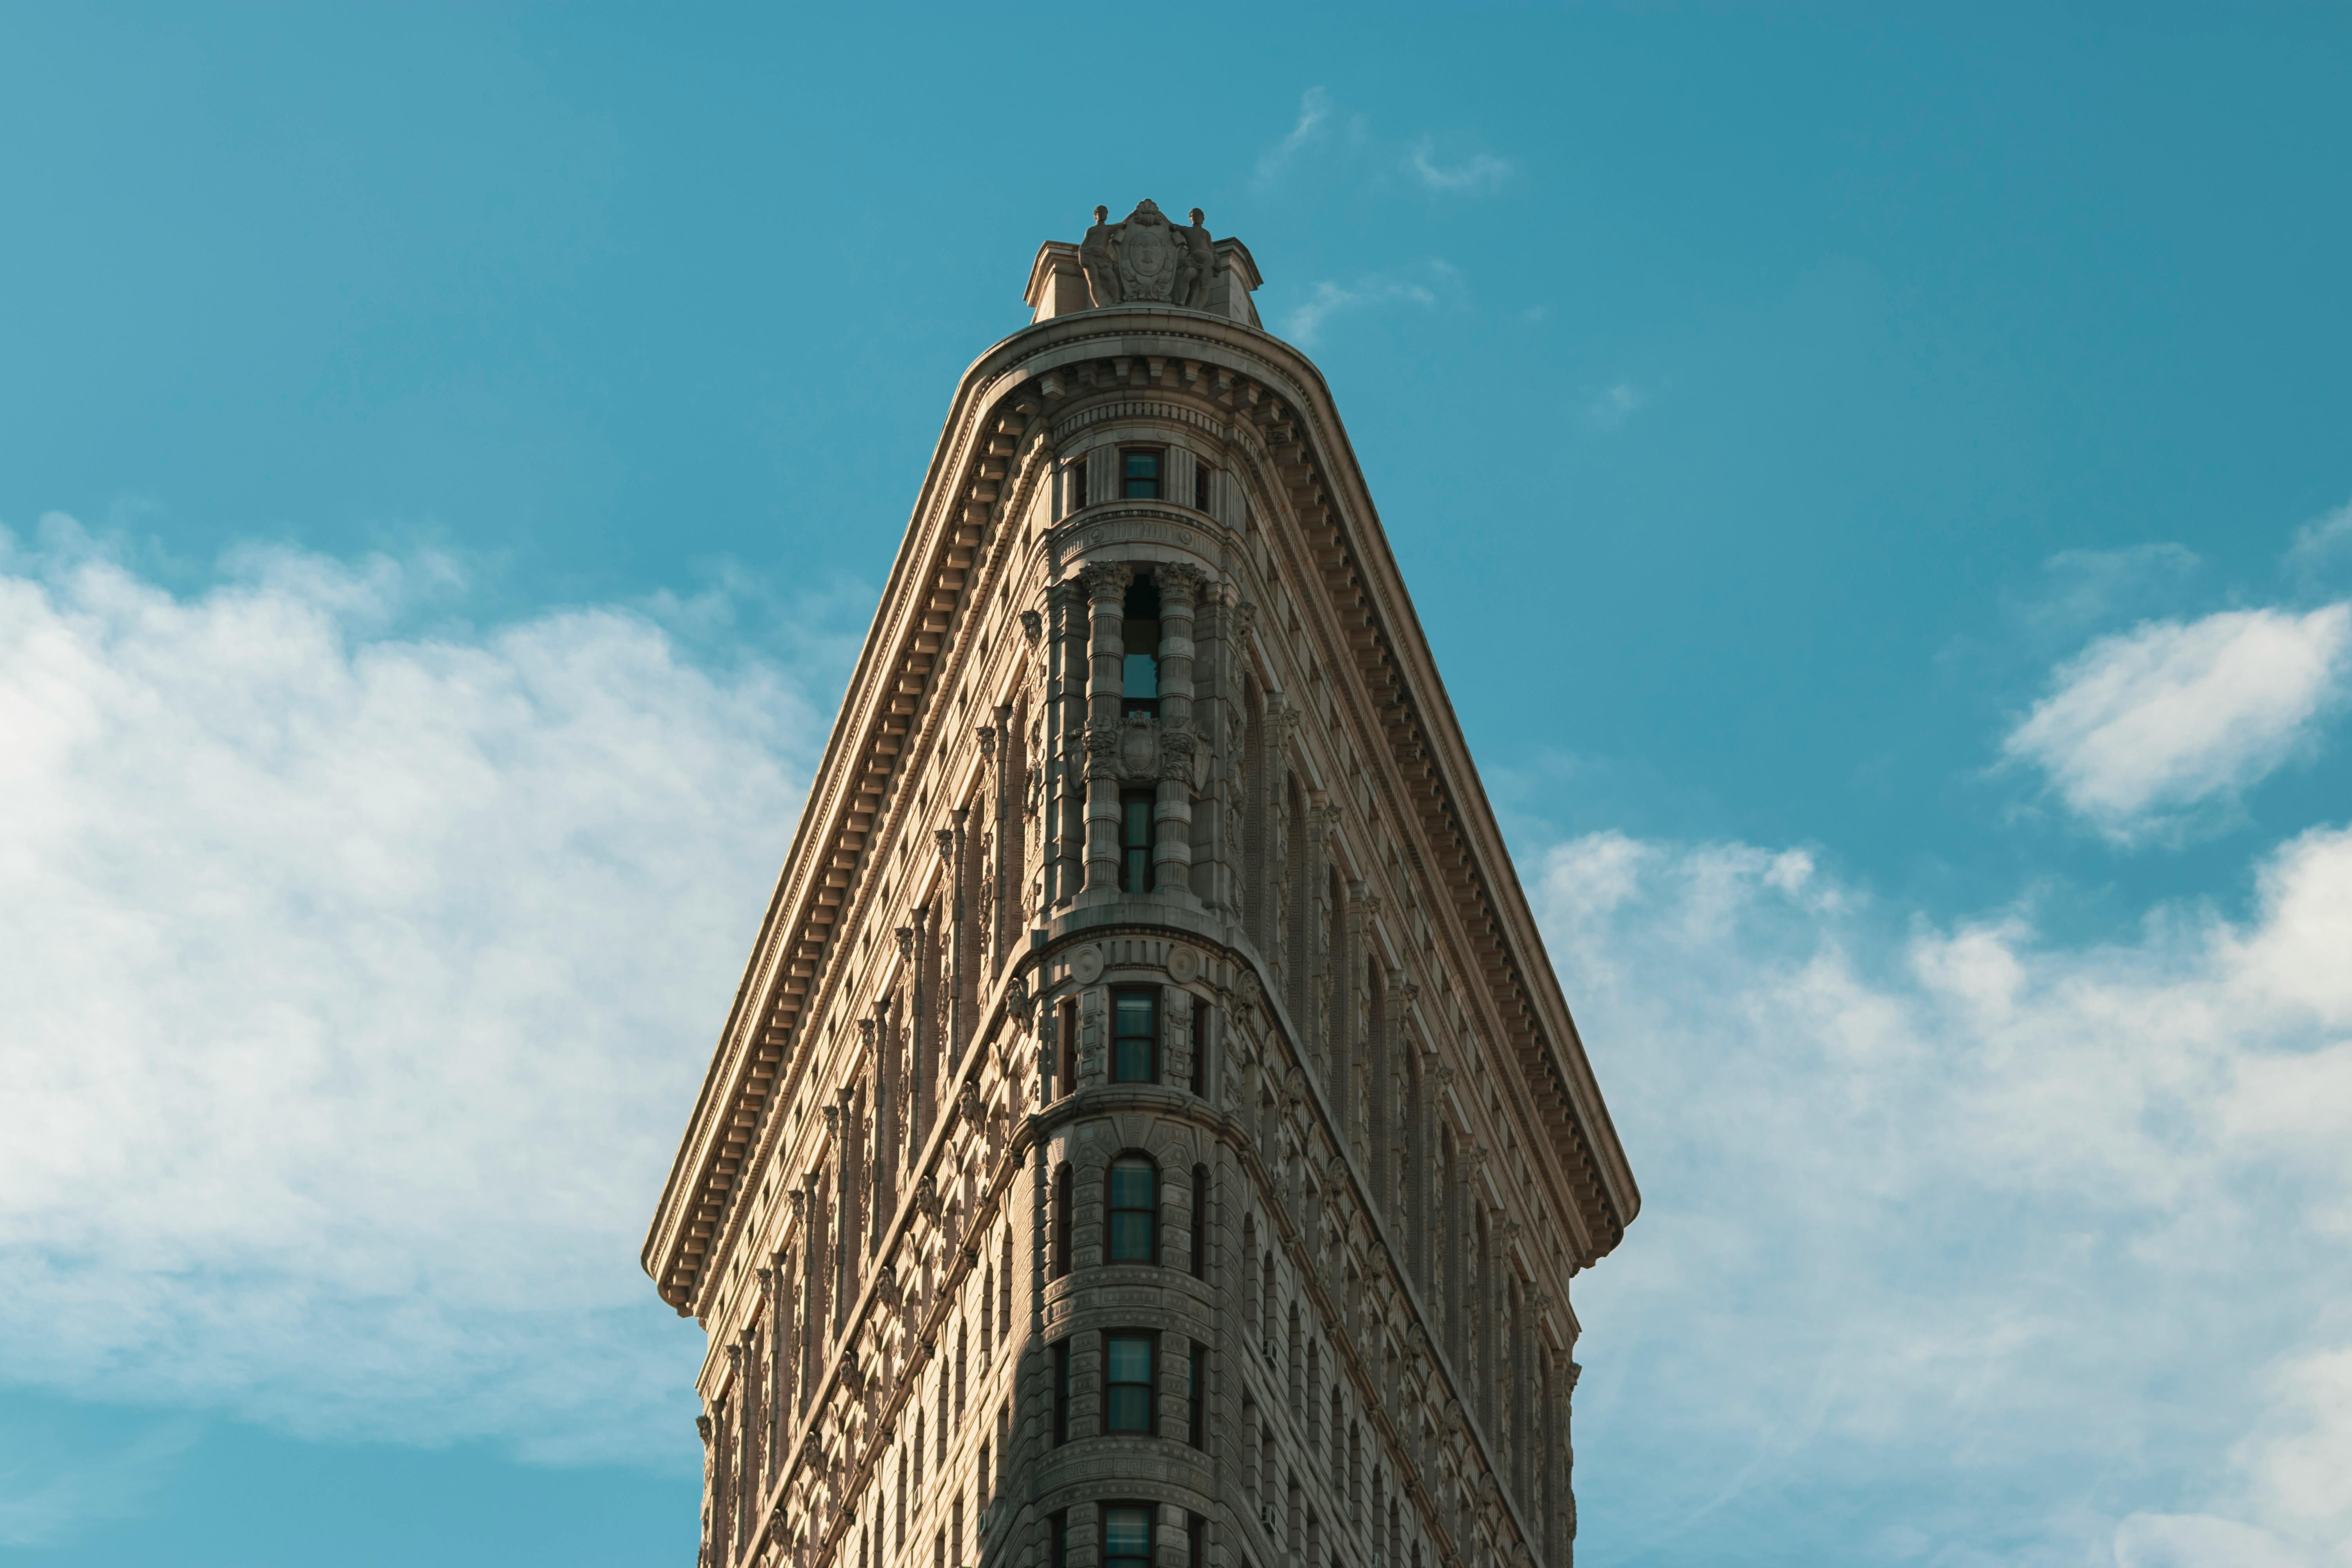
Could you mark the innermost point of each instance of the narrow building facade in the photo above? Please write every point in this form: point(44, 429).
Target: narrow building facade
point(1148, 1133)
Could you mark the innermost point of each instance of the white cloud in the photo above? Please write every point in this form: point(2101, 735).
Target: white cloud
point(358, 984)
point(2032, 1253)
point(1423, 287)
point(2144, 725)
point(1474, 175)
point(1313, 112)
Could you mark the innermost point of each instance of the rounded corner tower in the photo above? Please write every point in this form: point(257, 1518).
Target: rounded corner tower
point(1148, 1133)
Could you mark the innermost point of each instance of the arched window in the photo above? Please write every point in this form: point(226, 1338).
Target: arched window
point(1059, 1264)
point(1133, 1191)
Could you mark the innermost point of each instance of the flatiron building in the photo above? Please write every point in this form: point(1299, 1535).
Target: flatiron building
point(1148, 1133)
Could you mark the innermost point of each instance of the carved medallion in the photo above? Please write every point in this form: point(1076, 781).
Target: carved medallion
point(1148, 255)
point(1183, 965)
point(1087, 965)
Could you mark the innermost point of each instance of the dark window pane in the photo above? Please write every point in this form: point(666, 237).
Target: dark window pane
point(1128, 1383)
point(1141, 675)
point(1135, 1011)
point(1134, 1212)
point(1130, 1359)
point(1131, 1184)
point(1127, 1537)
point(1130, 1238)
point(1143, 476)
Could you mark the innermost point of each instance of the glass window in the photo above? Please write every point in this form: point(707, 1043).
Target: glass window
point(1061, 1392)
point(1200, 472)
point(1127, 1382)
point(1141, 476)
point(1196, 1397)
point(1138, 822)
point(1139, 642)
point(1134, 1212)
point(1061, 1238)
point(1127, 1536)
point(1135, 1037)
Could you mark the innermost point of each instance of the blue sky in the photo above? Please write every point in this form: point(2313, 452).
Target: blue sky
point(1877, 482)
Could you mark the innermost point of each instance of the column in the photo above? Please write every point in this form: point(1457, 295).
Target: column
point(1065, 729)
point(1171, 857)
point(1105, 585)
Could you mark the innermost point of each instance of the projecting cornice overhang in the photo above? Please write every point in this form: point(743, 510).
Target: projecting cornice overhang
point(989, 456)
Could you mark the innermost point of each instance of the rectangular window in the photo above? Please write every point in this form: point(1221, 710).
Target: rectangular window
point(1139, 826)
point(1200, 1047)
point(1128, 1402)
point(1140, 474)
point(1059, 1264)
point(1200, 472)
point(1076, 497)
point(1135, 1037)
point(1200, 1221)
point(1138, 641)
point(1197, 1386)
point(1061, 1392)
point(1066, 1050)
point(1126, 1535)
point(1057, 1539)
point(1196, 1538)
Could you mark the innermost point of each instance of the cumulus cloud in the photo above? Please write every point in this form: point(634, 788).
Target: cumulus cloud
point(2027, 1252)
point(359, 980)
point(2145, 725)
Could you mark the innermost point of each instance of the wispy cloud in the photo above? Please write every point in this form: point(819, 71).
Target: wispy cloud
point(1476, 175)
point(356, 983)
point(1614, 404)
point(2145, 725)
point(2323, 541)
point(2034, 1249)
point(49, 1493)
point(1313, 110)
point(1380, 159)
point(1424, 286)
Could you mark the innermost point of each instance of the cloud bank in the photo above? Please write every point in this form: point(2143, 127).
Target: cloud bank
point(1961, 1246)
point(359, 981)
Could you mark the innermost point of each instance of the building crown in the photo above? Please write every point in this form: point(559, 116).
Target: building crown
point(1144, 261)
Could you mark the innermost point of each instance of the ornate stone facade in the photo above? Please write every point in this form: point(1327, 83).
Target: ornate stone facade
point(1149, 1133)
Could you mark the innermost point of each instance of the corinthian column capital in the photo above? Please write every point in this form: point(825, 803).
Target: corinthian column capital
point(1106, 579)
